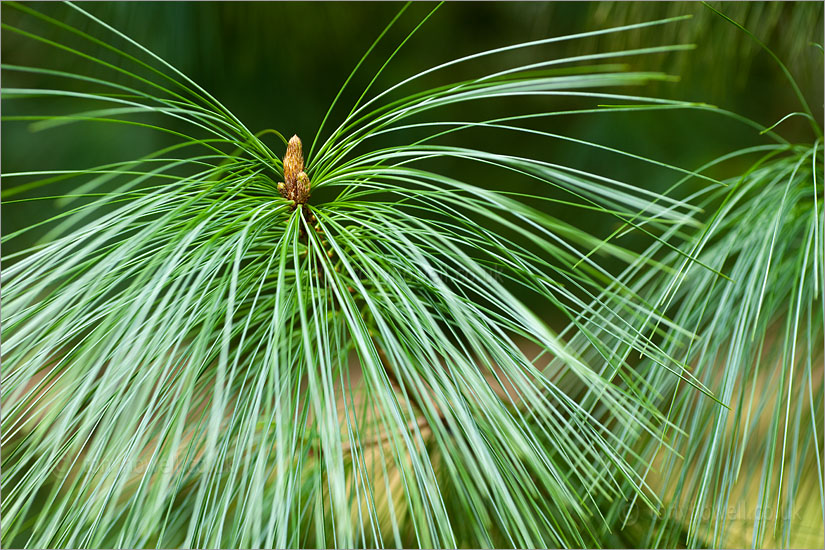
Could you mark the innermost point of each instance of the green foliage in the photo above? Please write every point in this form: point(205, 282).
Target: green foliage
point(190, 360)
point(749, 472)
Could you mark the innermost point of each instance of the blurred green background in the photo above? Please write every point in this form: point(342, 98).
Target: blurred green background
point(279, 65)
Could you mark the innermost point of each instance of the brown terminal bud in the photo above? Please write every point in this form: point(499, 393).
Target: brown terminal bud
point(293, 159)
point(296, 184)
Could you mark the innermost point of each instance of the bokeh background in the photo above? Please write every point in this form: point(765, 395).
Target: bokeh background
point(279, 65)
